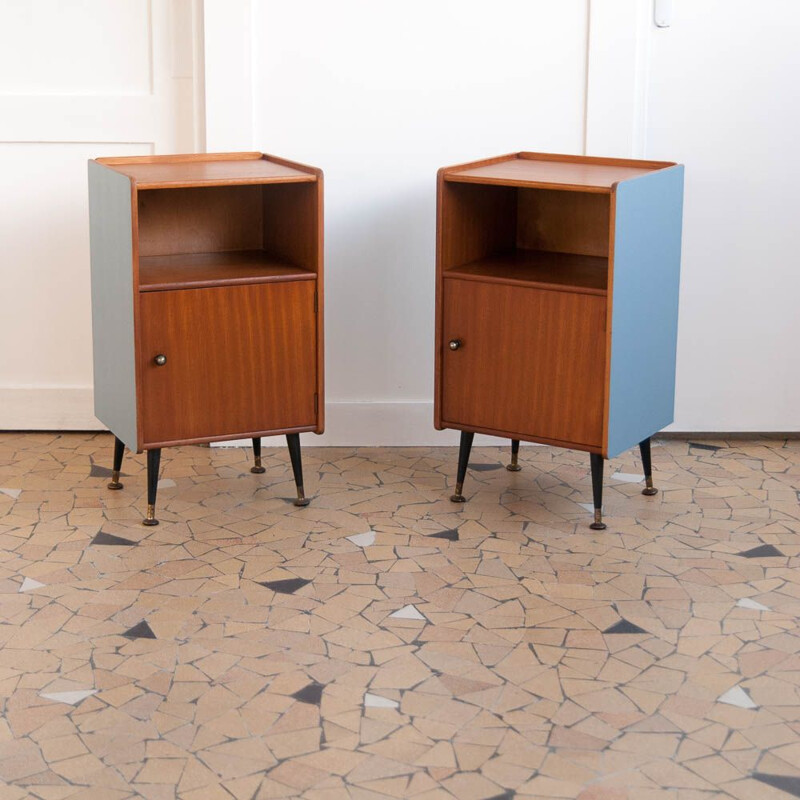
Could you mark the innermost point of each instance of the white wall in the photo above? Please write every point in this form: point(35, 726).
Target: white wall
point(380, 95)
point(77, 81)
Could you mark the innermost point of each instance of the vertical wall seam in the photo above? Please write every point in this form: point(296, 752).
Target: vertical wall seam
point(150, 56)
point(251, 48)
point(642, 77)
point(198, 77)
point(586, 76)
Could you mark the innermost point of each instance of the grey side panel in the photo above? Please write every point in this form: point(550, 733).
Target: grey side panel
point(110, 231)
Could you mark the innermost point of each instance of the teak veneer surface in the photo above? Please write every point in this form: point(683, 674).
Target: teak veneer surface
point(239, 359)
point(564, 272)
point(196, 270)
point(202, 219)
point(538, 257)
point(175, 172)
point(560, 221)
point(588, 175)
point(223, 254)
point(528, 362)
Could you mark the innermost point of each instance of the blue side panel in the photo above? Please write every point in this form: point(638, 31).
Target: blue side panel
point(644, 318)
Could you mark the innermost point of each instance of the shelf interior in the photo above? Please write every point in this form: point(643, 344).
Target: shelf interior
point(198, 270)
point(558, 271)
point(207, 236)
point(545, 237)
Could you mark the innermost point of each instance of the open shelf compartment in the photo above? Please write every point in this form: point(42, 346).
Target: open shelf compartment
point(192, 237)
point(538, 268)
point(548, 238)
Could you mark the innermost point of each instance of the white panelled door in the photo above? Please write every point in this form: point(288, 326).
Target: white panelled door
point(77, 81)
point(722, 98)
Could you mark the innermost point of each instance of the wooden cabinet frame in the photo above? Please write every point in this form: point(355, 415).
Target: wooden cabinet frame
point(541, 225)
point(192, 247)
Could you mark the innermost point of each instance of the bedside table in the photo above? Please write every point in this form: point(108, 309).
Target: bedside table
point(557, 304)
point(206, 303)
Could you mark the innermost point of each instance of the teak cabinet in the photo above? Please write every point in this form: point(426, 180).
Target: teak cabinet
point(206, 303)
point(557, 304)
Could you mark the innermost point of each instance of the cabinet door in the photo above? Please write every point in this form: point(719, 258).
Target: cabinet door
point(239, 360)
point(529, 361)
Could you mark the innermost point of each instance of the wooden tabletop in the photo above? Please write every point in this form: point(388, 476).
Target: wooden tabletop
point(208, 169)
point(552, 171)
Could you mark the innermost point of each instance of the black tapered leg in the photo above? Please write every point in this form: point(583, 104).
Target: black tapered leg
point(514, 465)
point(293, 440)
point(463, 463)
point(119, 451)
point(257, 468)
point(596, 461)
point(644, 449)
point(153, 465)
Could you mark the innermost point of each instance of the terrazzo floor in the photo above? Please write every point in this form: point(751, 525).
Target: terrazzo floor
point(386, 643)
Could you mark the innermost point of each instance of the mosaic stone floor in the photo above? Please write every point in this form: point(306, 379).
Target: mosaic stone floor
point(384, 643)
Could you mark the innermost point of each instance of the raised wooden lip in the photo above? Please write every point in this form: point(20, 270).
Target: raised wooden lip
point(212, 283)
point(309, 174)
point(177, 158)
point(453, 174)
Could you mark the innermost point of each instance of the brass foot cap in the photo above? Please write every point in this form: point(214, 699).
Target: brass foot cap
point(513, 467)
point(598, 526)
point(149, 522)
point(302, 501)
point(458, 498)
point(649, 491)
point(115, 485)
point(258, 470)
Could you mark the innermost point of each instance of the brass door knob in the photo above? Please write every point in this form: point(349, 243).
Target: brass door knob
point(160, 360)
point(455, 344)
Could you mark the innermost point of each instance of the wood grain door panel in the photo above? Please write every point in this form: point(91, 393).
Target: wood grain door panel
point(240, 359)
point(530, 362)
